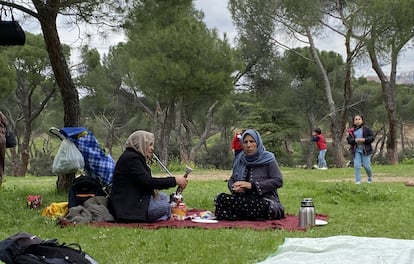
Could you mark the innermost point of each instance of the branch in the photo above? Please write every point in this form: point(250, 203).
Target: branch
point(42, 106)
point(21, 8)
point(339, 109)
point(291, 49)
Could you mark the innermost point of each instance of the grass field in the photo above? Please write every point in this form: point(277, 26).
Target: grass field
point(381, 209)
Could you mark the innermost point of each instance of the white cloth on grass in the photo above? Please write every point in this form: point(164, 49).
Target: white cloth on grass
point(343, 250)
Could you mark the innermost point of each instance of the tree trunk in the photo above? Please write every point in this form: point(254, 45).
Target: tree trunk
point(162, 126)
point(182, 134)
point(310, 145)
point(388, 94)
point(70, 98)
point(14, 158)
point(165, 124)
point(402, 136)
point(337, 149)
point(348, 91)
point(381, 138)
point(204, 135)
point(24, 158)
point(30, 111)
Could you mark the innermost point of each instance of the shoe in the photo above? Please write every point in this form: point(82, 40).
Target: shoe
point(324, 168)
point(358, 183)
point(409, 183)
point(369, 180)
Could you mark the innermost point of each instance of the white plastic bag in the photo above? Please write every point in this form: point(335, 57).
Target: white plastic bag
point(68, 158)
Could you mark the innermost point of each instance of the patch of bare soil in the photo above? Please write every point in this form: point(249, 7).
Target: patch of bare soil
point(211, 176)
point(203, 175)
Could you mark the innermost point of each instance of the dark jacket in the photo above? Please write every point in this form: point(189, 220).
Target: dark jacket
point(369, 138)
point(133, 186)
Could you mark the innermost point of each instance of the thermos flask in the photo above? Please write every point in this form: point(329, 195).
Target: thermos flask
point(306, 213)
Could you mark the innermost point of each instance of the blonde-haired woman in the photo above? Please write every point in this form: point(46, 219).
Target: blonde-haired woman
point(134, 195)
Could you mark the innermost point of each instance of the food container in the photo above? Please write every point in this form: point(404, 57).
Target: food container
point(179, 212)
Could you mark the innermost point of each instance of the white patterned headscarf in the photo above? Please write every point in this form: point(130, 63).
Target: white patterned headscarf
point(140, 140)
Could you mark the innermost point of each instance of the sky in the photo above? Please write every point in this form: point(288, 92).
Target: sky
point(216, 16)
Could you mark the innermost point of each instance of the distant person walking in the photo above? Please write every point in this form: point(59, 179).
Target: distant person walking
point(320, 141)
point(236, 146)
point(360, 138)
point(3, 130)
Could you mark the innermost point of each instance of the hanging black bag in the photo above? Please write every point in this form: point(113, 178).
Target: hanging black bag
point(11, 33)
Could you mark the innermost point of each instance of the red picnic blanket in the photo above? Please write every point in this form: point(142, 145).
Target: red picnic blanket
point(290, 222)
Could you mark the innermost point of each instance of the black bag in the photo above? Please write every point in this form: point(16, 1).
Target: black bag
point(11, 33)
point(51, 252)
point(11, 141)
point(83, 188)
point(24, 248)
point(15, 245)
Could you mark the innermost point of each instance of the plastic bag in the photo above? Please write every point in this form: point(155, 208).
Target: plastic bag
point(56, 210)
point(68, 159)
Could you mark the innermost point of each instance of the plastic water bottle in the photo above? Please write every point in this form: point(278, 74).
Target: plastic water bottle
point(306, 213)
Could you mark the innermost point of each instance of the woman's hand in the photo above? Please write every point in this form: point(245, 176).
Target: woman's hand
point(181, 181)
point(360, 140)
point(241, 186)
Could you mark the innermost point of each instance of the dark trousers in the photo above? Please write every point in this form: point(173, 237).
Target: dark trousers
point(241, 207)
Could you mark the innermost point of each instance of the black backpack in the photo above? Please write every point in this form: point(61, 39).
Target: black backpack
point(15, 245)
point(83, 188)
point(24, 248)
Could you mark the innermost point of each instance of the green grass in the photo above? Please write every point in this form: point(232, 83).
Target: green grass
point(382, 209)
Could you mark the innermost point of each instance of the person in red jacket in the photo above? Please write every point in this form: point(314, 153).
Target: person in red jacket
point(236, 146)
point(321, 144)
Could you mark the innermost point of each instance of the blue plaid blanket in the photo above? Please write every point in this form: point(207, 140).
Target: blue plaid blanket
point(97, 162)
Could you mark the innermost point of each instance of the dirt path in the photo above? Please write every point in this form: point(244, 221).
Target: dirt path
point(211, 176)
point(224, 175)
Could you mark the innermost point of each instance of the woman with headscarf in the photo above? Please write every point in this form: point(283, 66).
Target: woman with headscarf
point(134, 194)
point(255, 178)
